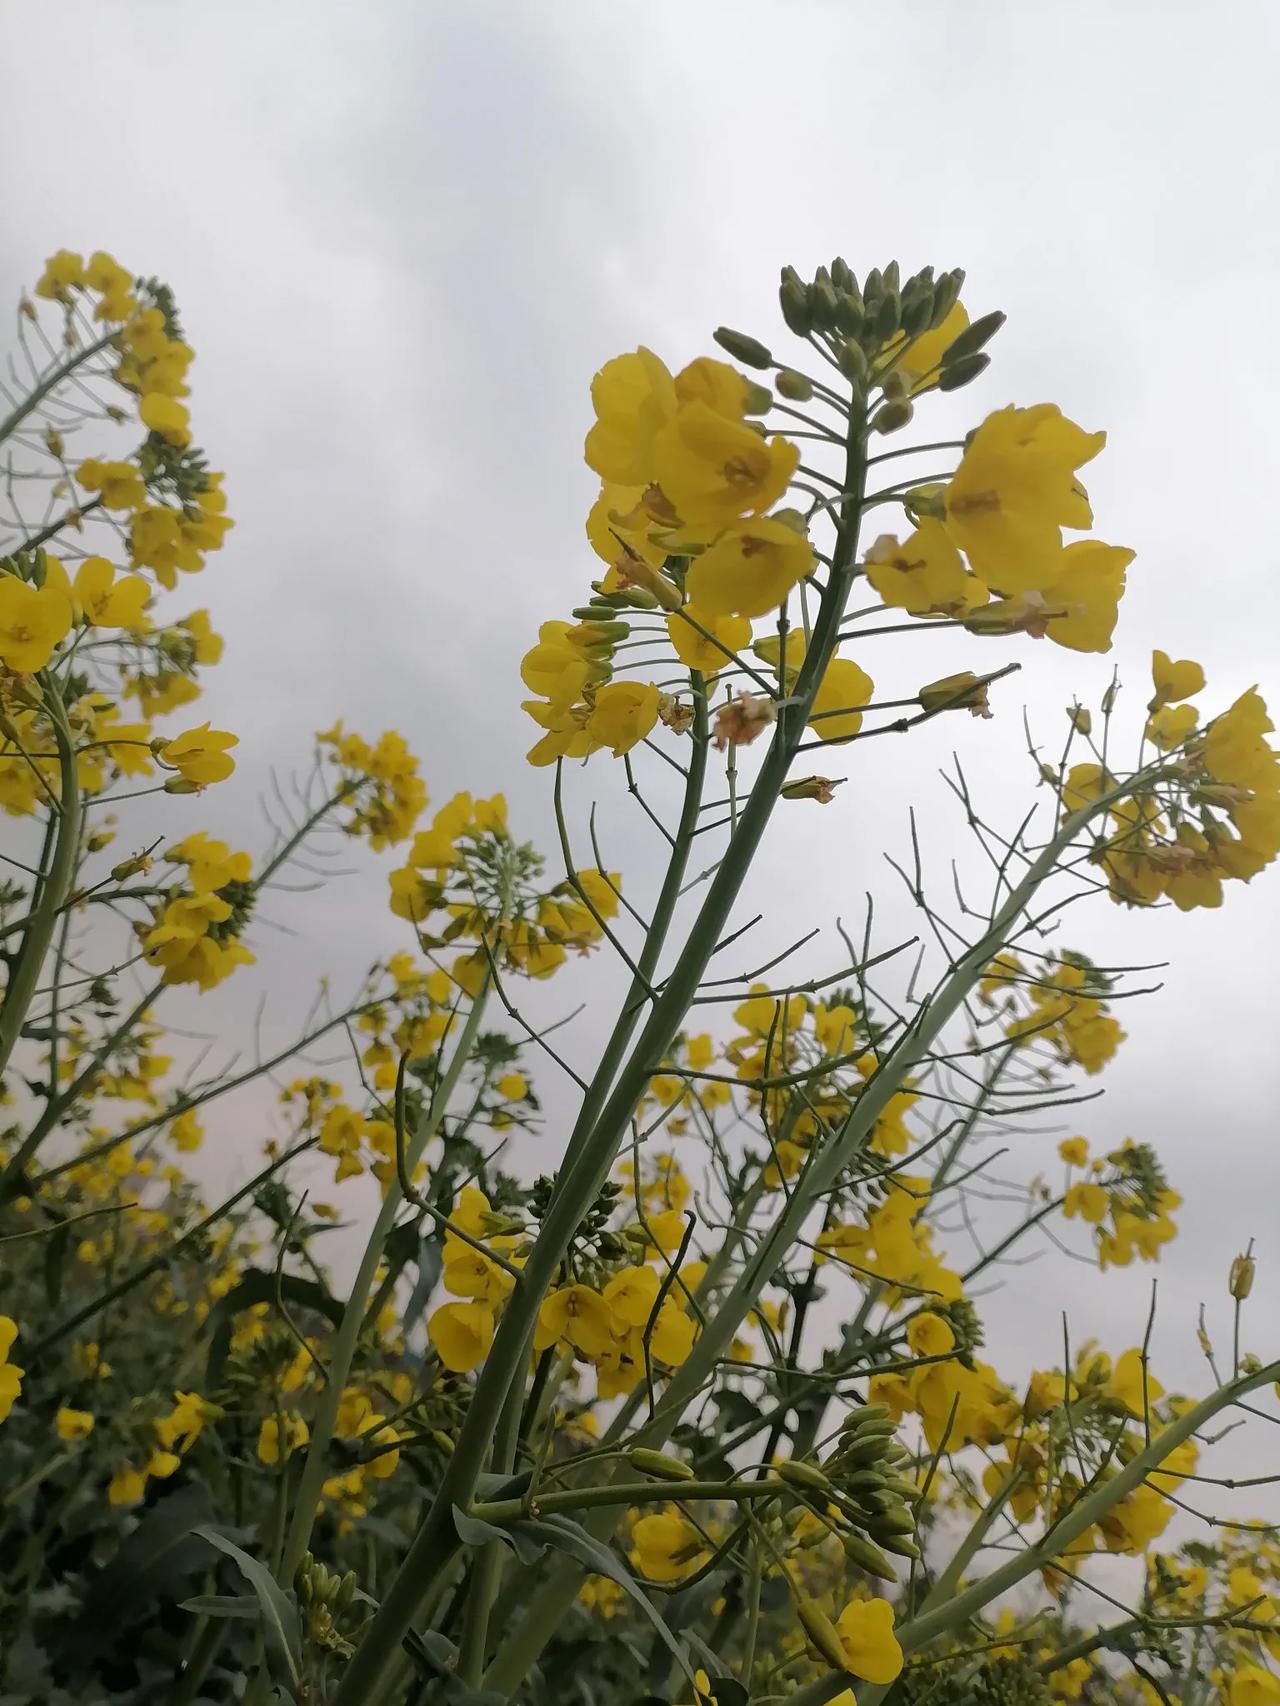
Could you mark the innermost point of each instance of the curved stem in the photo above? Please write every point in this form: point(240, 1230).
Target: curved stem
point(314, 1468)
point(25, 975)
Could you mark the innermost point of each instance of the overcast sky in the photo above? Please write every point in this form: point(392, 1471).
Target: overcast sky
point(403, 238)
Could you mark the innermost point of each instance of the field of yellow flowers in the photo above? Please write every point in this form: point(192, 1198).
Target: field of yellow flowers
point(707, 1414)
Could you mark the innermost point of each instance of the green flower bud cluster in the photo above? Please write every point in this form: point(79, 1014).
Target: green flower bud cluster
point(331, 1615)
point(1142, 1181)
point(240, 897)
point(612, 1247)
point(863, 1479)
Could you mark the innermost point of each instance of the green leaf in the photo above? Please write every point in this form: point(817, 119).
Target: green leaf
point(437, 1657)
point(150, 1565)
point(472, 1531)
point(565, 1535)
point(278, 1615)
point(221, 1605)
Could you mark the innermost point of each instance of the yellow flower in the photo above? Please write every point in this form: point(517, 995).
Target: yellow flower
point(1076, 609)
point(1074, 1151)
point(61, 272)
point(10, 1373)
point(126, 1486)
point(200, 755)
point(714, 383)
point(275, 1441)
point(1014, 492)
point(512, 1086)
point(462, 1334)
point(634, 396)
point(72, 1424)
point(865, 1628)
point(925, 576)
point(1126, 1386)
point(665, 1546)
point(750, 569)
point(578, 1314)
point(695, 649)
point(166, 416)
point(119, 483)
point(107, 602)
point(1087, 1200)
point(930, 1335)
point(631, 1294)
point(1171, 724)
point(1253, 1686)
point(32, 622)
point(715, 471)
point(843, 687)
point(1173, 680)
point(623, 714)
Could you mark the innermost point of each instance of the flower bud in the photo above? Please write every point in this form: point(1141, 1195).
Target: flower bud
point(851, 315)
point(180, 785)
point(946, 293)
point(1081, 719)
point(866, 1555)
point(917, 310)
point(842, 275)
point(888, 315)
point(824, 304)
point(958, 373)
point(793, 297)
point(973, 338)
point(743, 348)
point(659, 1465)
point(892, 416)
point(853, 363)
point(758, 400)
point(1240, 1284)
point(822, 1633)
point(795, 387)
point(866, 1413)
point(899, 1545)
point(803, 1475)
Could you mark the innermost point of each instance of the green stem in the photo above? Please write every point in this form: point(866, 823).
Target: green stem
point(609, 1493)
point(581, 1181)
point(25, 973)
point(28, 405)
point(343, 1353)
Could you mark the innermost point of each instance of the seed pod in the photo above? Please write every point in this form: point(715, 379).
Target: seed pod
point(974, 337)
point(804, 1475)
point(868, 1556)
point(822, 1633)
point(659, 1465)
point(742, 347)
point(793, 386)
point(1240, 1283)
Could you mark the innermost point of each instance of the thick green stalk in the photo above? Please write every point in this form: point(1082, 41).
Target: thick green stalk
point(315, 1467)
point(24, 976)
point(437, 1538)
point(945, 1617)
